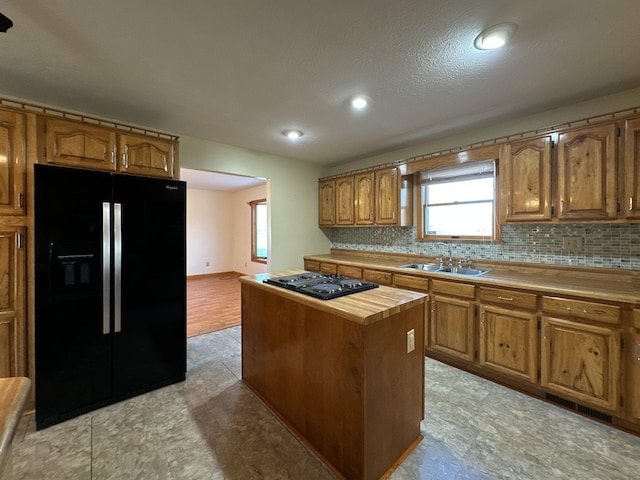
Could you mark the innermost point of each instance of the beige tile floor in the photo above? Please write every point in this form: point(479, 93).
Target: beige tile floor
point(212, 427)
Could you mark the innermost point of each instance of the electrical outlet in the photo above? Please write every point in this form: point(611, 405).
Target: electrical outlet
point(206, 264)
point(572, 244)
point(411, 340)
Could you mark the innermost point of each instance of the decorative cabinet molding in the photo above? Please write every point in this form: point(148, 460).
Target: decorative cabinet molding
point(13, 185)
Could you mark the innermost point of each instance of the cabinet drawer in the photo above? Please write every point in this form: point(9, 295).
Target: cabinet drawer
point(453, 288)
point(508, 297)
point(350, 272)
point(580, 309)
point(376, 276)
point(329, 268)
point(413, 283)
point(312, 266)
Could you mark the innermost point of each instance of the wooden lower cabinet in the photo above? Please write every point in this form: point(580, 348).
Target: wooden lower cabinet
point(452, 328)
point(581, 362)
point(329, 268)
point(354, 273)
point(508, 342)
point(12, 301)
point(311, 266)
point(376, 276)
point(634, 368)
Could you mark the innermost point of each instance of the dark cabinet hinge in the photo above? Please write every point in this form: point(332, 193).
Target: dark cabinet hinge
point(475, 354)
point(617, 131)
point(621, 401)
point(618, 207)
point(621, 343)
point(553, 144)
point(539, 375)
point(553, 209)
point(45, 152)
point(538, 324)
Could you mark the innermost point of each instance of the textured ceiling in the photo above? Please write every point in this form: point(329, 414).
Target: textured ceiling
point(241, 71)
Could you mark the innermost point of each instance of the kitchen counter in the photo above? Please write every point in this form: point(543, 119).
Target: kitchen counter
point(346, 375)
point(602, 284)
point(363, 307)
point(13, 395)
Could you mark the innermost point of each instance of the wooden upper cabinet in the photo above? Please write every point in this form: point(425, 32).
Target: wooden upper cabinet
point(344, 201)
point(327, 202)
point(527, 179)
point(631, 199)
point(587, 173)
point(12, 302)
point(364, 198)
point(12, 163)
point(387, 195)
point(76, 144)
point(142, 155)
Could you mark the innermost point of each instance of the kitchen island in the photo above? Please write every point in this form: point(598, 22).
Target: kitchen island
point(342, 374)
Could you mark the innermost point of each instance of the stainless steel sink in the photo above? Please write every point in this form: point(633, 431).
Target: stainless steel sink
point(434, 267)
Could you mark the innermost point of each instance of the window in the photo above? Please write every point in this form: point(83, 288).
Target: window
point(459, 201)
point(259, 226)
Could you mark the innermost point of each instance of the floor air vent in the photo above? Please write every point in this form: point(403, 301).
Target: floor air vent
point(579, 408)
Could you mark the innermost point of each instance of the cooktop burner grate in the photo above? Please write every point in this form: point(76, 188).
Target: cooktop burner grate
point(320, 285)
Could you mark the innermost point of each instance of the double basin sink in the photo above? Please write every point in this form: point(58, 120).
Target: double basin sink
point(436, 268)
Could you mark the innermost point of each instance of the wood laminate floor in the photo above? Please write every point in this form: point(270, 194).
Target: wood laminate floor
point(213, 302)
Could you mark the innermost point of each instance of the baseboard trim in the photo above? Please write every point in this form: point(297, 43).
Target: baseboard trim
point(217, 274)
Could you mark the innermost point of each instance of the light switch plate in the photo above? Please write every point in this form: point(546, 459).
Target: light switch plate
point(411, 340)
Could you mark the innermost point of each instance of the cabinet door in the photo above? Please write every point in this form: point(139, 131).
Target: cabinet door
point(587, 173)
point(12, 302)
point(581, 362)
point(631, 200)
point(326, 202)
point(508, 342)
point(527, 179)
point(12, 169)
point(364, 192)
point(387, 197)
point(452, 327)
point(151, 157)
point(76, 144)
point(344, 201)
point(635, 371)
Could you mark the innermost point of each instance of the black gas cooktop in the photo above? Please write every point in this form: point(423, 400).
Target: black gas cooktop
point(320, 285)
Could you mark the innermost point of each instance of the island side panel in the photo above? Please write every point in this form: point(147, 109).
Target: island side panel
point(394, 382)
point(307, 365)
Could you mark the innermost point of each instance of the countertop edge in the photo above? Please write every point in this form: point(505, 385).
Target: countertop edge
point(392, 301)
point(15, 391)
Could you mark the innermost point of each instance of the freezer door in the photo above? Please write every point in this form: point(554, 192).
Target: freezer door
point(150, 283)
point(72, 341)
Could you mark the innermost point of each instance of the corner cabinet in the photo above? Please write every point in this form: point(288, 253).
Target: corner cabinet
point(587, 173)
point(527, 179)
point(13, 185)
point(12, 301)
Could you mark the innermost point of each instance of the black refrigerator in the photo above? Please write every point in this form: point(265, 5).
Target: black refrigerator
point(110, 288)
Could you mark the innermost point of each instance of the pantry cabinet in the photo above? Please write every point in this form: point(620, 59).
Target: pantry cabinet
point(326, 202)
point(526, 183)
point(587, 174)
point(452, 320)
point(508, 333)
point(12, 301)
point(12, 170)
point(631, 198)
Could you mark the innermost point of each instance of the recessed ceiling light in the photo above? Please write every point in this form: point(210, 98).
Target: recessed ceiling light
point(360, 102)
point(495, 36)
point(293, 134)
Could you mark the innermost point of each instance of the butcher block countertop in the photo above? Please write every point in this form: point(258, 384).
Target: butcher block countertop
point(13, 395)
point(595, 283)
point(363, 307)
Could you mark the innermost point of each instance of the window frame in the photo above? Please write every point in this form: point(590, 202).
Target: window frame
point(254, 253)
point(470, 165)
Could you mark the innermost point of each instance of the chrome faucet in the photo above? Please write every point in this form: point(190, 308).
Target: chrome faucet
point(448, 247)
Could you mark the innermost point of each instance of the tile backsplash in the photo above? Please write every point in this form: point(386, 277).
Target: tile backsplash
point(604, 245)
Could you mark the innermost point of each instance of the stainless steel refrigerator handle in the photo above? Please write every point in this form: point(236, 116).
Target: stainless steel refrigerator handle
point(117, 267)
point(106, 267)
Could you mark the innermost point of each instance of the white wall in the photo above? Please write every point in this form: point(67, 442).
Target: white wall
point(209, 231)
point(292, 193)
